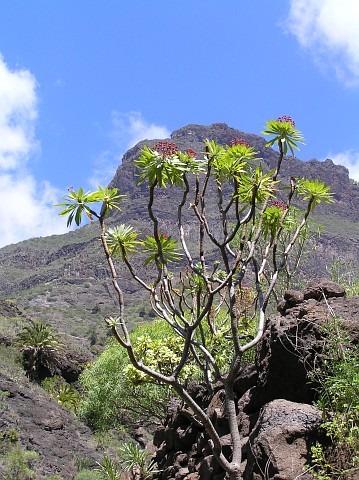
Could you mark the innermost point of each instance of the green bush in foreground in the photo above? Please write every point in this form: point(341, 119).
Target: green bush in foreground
point(110, 395)
point(137, 461)
point(64, 393)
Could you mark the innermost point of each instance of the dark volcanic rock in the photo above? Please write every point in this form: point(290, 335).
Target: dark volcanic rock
point(43, 426)
point(71, 363)
point(276, 422)
point(9, 309)
point(280, 441)
point(292, 341)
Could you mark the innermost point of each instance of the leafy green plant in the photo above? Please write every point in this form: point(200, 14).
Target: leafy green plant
point(19, 464)
point(77, 203)
point(163, 165)
point(121, 240)
point(284, 133)
point(39, 344)
point(64, 393)
point(163, 248)
point(315, 192)
point(248, 247)
point(12, 435)
point(109, 468)
point(338, 379)
point(137, 461)
point(109, 392)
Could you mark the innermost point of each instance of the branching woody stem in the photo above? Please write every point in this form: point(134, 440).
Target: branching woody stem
point(201, 307)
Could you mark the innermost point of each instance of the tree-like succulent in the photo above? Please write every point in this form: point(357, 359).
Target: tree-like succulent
point(248, 250)
point(284, 133)
point(122, 240)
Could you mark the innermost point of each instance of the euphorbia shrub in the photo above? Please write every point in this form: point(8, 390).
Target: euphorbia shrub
point(204, 304)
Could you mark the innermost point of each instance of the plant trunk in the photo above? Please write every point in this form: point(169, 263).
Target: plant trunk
point(234, 473)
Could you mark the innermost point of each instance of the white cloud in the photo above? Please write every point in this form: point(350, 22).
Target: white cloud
point(17, 116)
point(104, 169)
point(26, 207)
point(350, 160)
point(329, 29)
point(127, 130)
point(130, 128)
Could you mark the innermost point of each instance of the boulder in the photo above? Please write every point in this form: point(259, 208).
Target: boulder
point(280, 441)
point(293, 341)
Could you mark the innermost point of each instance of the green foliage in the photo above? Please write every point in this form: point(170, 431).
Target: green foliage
point(121, 240)
point(278, 215)
point(285, 135)
point(255, 186)
point(247, 246)
point(39, 335)
point(161, 169)
point(110, 398)
point(230, 162)
point(39, 343)
point(65, 394)
point(12, 435)
point(137, 461)
point(314, 191)
point(338, 379)
point(109, 468)
point(77, 203)
point(168, 250)
point(161, 353)
point(19, 464)
point(320, 468)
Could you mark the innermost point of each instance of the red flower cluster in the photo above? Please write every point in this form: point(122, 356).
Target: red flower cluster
point(190, 153)
point(286, 118)
point(165, 148)
point(238, 141)
point(279, 204)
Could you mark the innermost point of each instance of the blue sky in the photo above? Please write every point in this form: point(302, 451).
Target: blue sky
point(82, 81)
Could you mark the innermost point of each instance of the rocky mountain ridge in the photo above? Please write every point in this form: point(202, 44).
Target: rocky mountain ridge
point(63, 275)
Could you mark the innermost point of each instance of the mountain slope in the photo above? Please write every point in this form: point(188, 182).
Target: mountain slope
point(63, 279)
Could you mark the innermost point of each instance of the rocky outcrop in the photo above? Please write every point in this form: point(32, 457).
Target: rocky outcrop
point(44, 427)
point(276, 420)
point(71, 363)
point(279, 443)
